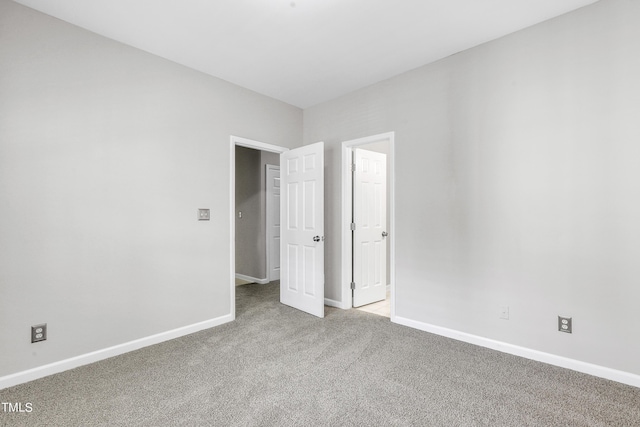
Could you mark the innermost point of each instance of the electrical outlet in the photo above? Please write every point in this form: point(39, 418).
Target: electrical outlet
point(564, 324)
point(204, 214)
point(504, 313)
point(39, 333)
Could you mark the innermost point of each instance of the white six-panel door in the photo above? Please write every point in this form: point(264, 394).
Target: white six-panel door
point(273, 222)
point(370, 219)
point(302, 228)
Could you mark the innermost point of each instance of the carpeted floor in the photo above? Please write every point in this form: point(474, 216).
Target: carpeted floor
point(276, 366)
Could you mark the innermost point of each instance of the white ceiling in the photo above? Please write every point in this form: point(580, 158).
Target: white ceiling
point(304, 52)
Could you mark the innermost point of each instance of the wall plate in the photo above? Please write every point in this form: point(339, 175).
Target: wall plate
point(564, 324)
point(204, 214)
point(39, 332)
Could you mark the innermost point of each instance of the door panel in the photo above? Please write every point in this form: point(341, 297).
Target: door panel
point(370, 218)
point(273, 221)
point(302, 229)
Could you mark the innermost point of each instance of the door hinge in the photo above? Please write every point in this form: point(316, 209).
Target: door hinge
point(353, 285)
point(353, 226)
point(353, 167)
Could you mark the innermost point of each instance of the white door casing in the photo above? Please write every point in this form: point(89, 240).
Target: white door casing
point(302, 228)
point(370, 219)
point(273, 222)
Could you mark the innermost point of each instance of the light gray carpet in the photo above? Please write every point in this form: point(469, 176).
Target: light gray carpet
point(276, 366)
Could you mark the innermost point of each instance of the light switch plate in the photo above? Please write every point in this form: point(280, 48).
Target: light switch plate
point(204, 214)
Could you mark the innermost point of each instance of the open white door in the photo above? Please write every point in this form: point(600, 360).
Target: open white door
point(302, 228)
point(370, 219)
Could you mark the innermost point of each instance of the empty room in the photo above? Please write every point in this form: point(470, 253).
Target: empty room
point(305, 212)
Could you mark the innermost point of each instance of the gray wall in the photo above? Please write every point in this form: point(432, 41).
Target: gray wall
point(250, 238)
point(517, 184)
point(106, 153)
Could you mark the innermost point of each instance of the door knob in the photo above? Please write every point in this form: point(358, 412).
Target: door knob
point(316, 238)
point(385, 234)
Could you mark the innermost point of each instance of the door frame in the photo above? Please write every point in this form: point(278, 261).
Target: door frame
point(347, 207)
point(269, 215)
point(257, 145)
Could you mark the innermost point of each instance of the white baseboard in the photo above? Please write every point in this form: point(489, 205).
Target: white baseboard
point(337, 304)
point(552, 359)
point(252, 279)
point(95, 356)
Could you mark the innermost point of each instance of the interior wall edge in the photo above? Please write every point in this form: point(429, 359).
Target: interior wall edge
point(252, 279)
point(337, 304)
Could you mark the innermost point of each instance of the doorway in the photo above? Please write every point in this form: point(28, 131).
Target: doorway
point(245, 218)
point(302, 219)
point(352, 292)
point(255, 170)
